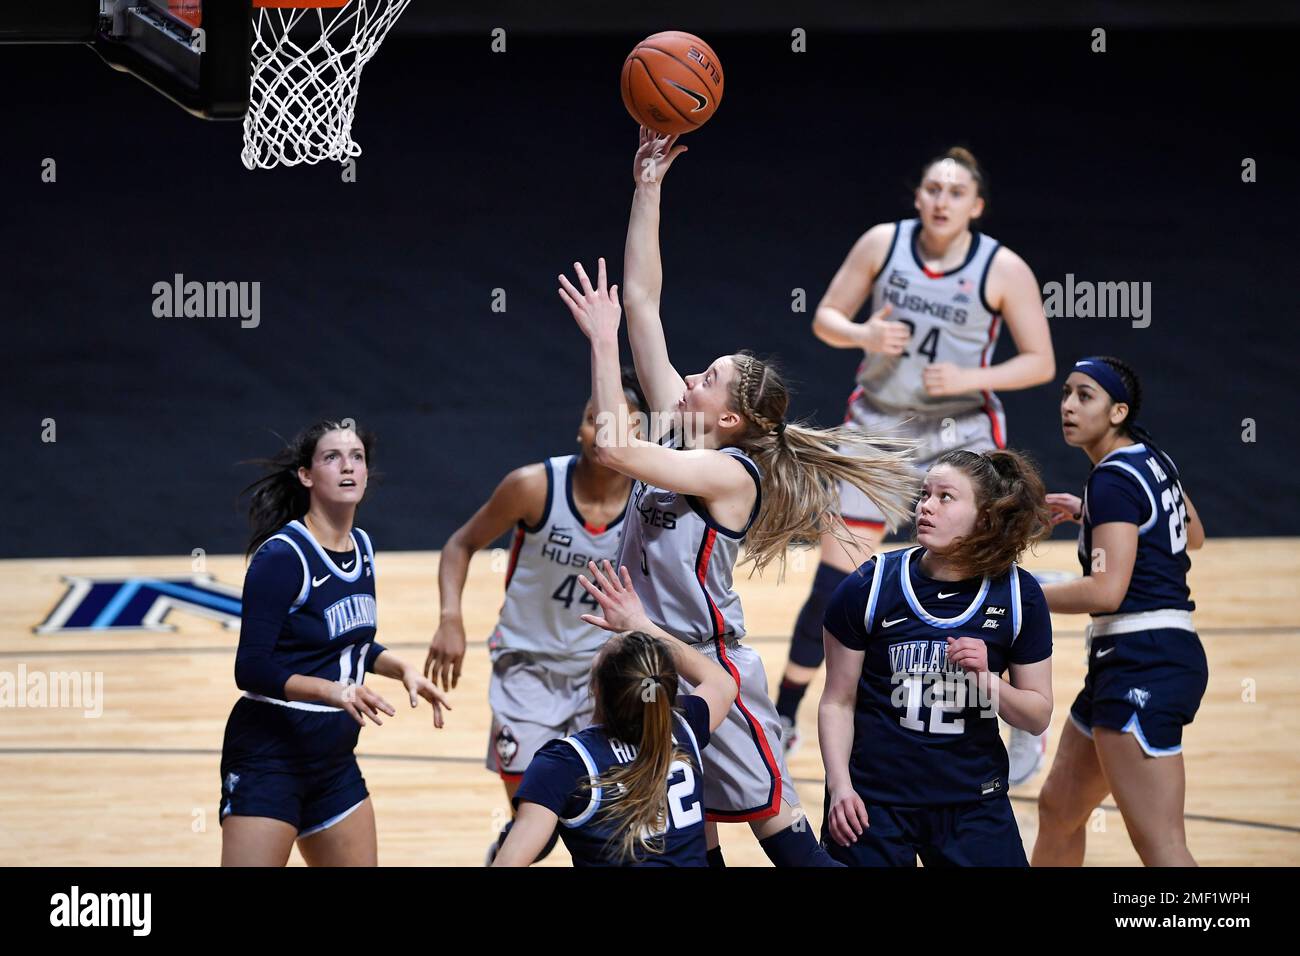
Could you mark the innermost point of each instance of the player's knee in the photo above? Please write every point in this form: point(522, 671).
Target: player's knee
point(1057, 809)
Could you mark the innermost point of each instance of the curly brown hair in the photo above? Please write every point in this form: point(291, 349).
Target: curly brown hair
point(1012, 508)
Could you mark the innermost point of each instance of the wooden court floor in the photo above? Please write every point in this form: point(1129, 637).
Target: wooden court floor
point(138, 784)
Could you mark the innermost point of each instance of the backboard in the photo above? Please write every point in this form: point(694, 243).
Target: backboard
point(195, 52)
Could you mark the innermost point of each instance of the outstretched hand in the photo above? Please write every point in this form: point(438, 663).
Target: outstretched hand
point(596, 311)
point(655, 153)
point(614, 594)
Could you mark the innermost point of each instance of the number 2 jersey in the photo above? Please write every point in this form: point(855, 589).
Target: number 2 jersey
point(1131, 485)
point(923, 734)
point(544, 601)
point(557, 776)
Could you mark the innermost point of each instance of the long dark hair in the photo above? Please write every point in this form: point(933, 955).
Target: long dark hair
point(278, 497)
point(1129, 426)
point(1011, 505)
point(635, 682)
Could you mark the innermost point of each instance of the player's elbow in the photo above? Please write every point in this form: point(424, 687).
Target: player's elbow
point(245, 674)
point(1108, 602)
point(1039, 723)
point(257, 676)
point(821, 322)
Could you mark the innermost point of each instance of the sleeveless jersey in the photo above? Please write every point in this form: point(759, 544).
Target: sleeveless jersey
point(543, 597)
point(554, 779)
point(681, 560)
point(329, 631)
point(924, 733)
point(1131, 485)
point(950, 320)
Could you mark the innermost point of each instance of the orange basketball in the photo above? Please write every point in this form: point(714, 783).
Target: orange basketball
point(672, 82)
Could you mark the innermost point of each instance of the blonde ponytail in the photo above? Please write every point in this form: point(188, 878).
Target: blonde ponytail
point(802, 467)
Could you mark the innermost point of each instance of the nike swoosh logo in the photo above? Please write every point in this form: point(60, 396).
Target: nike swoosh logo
point(949, 594)
point(316, 584)
point(892, 623)
point(700, 99)
point(348, 565)
point(1105, 652)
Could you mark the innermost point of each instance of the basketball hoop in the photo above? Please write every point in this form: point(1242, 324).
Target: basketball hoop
point(306, 70)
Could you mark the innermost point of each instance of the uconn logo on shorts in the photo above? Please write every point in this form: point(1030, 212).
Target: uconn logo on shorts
point(355, 610)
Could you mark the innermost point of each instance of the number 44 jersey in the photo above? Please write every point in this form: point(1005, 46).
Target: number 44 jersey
point(544, 602)
point(924, 731)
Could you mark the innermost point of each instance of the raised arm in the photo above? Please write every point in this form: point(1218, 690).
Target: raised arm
point(643, 274)
point(703, 472)
point(622, 611)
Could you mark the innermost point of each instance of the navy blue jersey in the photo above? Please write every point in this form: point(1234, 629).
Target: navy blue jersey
point(922, 735)
point(555, 779)
point(1131, 485)
point(305, 612)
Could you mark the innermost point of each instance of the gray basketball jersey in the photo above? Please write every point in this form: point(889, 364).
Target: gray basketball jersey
point(950, 319)
point(681, 560)
point(544, 601)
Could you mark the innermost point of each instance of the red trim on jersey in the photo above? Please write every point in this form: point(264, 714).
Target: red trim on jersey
point(594, 528)
point(701, 572)
point(998, 438)
point(769, 761)
point(853, 397)
point(510, 777)
point(864, 523)
point(514, 555)
point(932, 275)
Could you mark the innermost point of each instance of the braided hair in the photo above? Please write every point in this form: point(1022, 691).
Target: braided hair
point(802, 467)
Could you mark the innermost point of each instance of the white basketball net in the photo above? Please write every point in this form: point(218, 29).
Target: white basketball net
point(306, 68)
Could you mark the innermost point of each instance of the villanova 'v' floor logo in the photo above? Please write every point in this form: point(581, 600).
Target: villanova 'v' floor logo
point(117, 603)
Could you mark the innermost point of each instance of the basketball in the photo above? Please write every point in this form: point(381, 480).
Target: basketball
point(672, 82)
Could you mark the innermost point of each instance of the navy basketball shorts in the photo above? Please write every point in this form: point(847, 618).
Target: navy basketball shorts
point(290, 764)
point(978, 833)
point(1147, 683)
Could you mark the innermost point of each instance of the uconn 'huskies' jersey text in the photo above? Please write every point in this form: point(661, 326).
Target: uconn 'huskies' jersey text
point(950, 321)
